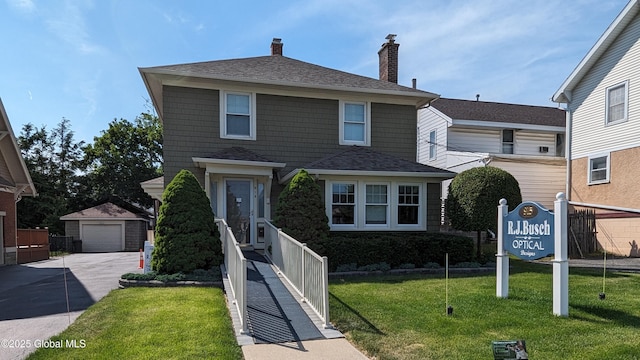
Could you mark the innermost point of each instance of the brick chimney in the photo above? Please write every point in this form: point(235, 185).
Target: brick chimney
point(389, 60)
point(276, 47)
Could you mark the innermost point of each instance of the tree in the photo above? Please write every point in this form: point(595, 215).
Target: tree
point(472, 202)
point(186, 236)
point(301, 212)
point(122, 157)
point(53, 161)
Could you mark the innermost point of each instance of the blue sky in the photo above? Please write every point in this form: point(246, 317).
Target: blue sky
point(79, 59)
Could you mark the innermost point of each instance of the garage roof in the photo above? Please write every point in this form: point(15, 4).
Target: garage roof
point(106, 211)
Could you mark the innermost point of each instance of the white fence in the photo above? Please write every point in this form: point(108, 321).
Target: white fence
point(236, 266)
point(305, 270)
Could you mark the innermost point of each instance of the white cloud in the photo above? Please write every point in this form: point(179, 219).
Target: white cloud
point(22, 5)
point(69, 25)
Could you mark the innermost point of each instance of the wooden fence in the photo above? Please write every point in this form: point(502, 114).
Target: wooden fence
point(582, 233)
point(33, 245)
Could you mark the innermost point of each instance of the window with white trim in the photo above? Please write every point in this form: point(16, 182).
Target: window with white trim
point(237, 115)
point(599, 169)
point(617, 100)
point(343, 203)
point(432, 145)
point(354, 123)
point(377, 204)
point(507, 141)
point(408, 204)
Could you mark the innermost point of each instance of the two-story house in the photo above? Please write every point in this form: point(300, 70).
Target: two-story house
point(15, 182)
point(246, 126)
point(603, 116)
point(526, 141)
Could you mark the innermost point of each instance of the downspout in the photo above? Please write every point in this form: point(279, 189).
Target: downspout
point(567, 151)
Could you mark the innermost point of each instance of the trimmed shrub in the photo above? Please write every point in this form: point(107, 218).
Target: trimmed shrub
point(396, 248)
point(187, 237)
point(472, 202)
point(301, 213)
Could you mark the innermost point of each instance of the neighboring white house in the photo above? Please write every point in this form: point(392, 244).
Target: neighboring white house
point(602, 96)
point(527, 141)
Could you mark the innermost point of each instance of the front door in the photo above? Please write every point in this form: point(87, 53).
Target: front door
point(239, 209)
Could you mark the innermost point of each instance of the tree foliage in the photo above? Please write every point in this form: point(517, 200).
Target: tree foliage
point(53, 160)
point(472, 202)
point(301, 212)
point(186, 236)
point(122, 157)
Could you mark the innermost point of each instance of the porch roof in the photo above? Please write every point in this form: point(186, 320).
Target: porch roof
point(362, 161)
point(237, 160)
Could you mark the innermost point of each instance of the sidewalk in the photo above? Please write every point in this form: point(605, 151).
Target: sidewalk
point(280, 326)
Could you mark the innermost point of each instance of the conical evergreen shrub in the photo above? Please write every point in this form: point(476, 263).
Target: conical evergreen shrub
point(301, 212)
point(186, 237)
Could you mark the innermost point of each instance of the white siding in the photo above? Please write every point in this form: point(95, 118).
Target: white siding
point(529, 143)
point(474, 140)
point(538, 181)
point(618, 64)
point(429, 120)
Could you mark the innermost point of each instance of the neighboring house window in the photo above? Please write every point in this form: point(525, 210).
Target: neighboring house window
point(237, 118)
point(507, 141)
point(376, 211)
point(354, 123)
point(343, 203)
point(559, 144)
point(599, 169)
point(408, 204)
point(432, 145)
point(617, 100)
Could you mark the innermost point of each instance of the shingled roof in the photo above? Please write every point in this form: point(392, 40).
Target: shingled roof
point(500, 112)
point(281, 70)
point(359, 158)
point(240, 154)
point(103, 211)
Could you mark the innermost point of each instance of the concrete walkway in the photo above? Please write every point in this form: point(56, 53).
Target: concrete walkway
point(33, 305)
point(280, 325)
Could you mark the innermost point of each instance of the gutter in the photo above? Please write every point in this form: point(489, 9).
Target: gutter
point(605, 207)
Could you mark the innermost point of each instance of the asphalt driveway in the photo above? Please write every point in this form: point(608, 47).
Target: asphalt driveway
point(33, 305)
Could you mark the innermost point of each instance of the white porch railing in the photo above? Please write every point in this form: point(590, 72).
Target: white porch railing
point(236, 267)
point(305, 270)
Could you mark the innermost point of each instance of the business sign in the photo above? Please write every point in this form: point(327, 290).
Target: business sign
point(528, 231)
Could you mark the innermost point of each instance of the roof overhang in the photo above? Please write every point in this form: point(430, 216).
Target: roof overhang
point(17, 168)
point(154, 80)
point(237, 167)
point(154, 187)
point(504, 125)
point(563, 95)
point(361, 173)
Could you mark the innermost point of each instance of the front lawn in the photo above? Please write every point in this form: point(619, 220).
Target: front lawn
point(404, 317)
point(150, 323)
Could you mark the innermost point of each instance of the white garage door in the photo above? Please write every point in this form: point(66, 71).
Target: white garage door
point(101, 237)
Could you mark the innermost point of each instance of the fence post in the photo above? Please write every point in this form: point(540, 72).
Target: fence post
point(325, 292)
point(303, 271)
point(245, 328)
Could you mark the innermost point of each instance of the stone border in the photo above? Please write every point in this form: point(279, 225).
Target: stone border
point(124, 283)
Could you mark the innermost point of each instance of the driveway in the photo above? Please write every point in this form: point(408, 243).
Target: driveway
point(33, 305)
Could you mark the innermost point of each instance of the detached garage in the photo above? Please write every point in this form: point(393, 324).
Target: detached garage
point(107, 228)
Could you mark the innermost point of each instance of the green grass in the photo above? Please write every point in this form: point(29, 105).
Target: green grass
point(404, 317)
point(151, 323)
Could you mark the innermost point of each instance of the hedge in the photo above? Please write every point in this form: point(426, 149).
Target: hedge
point(396, 248)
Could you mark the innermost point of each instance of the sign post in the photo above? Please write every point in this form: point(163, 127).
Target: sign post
point(531, 232)
point(502, 258)
point(561, 260)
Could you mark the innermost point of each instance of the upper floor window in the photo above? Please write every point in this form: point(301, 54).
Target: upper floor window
point(599, 166)
point(507, 141)
point(237, 116)
point(617, 103)
point(355, 120)
point(432, 145)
